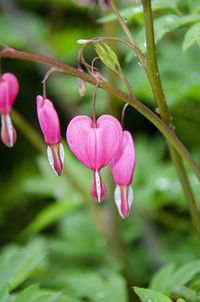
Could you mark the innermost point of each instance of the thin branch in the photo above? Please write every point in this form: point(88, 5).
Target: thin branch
point(144, 110)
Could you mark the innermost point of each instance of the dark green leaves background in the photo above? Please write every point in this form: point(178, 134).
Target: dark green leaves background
point(51, 248)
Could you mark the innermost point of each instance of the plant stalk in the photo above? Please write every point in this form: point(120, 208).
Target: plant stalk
point(155, 81)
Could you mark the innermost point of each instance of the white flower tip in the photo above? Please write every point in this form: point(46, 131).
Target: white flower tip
point(55, 154)
point(123, 200)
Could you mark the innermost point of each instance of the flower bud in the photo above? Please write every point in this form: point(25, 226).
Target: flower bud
point(50, 127)
point(122, 166)
point(9, 88)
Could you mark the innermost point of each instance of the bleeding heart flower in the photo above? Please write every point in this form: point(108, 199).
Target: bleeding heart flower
point(94, 146)
point(9, 88)
point(122, 166)
point(50, 127)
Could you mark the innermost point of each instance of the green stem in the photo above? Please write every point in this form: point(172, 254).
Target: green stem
point(144, 110)
point(154, 79)
point(127, 32)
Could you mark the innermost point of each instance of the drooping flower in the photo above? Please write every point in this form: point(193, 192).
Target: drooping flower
point(9, 88)
point(122, 166)
point(94, 146)
point(50, 126)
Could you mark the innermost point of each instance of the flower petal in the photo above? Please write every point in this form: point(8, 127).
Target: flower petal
point(13, 85)
point(8, 132)
point(94, 147)
point(123, 162)
point(55, 154)
point(124, 200)
point(49, 121)
point(98, 189)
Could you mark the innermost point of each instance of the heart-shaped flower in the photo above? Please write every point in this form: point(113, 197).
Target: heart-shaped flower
point(122, 166)
point(94, 146)
point(8, 91)
point(49, 123)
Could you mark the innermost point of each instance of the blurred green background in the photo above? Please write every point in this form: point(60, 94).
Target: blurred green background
point(48, 231)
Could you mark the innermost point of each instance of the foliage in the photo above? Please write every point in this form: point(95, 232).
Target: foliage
point(48, 234)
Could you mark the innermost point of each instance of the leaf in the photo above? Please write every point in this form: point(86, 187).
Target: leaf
point(51, 214)
point(185, 274)
point(16, 264)
point(194, 6)
point(162, 279)
point(192, 35)
point(180, 300)
point(48, 298)
point(4, 295)
point(149, 295)
point(134, 11)
point(171, 22)
point(28, 294)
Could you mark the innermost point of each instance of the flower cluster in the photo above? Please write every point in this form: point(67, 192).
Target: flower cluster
point(94, 143)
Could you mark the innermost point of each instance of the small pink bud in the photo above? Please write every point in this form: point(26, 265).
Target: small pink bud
point(94, 147)
point(50, 126)
point(8, 91)
point(122, 166)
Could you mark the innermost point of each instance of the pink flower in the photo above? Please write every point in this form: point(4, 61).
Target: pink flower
point(94, 147)
point(9, 88)
point(122, 166)
point(50, 127)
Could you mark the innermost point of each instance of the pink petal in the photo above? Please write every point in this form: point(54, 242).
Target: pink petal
point(55, 154)
point(123, 162)
point(8, 132)
point(13, 86)
point(94, 147)
point(5, 106)
point(123, 200)
point(48, 120)
point(98, 189)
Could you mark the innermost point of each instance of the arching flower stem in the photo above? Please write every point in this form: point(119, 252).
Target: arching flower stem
point(52, 69)
point(123, 114)
point(144, 110)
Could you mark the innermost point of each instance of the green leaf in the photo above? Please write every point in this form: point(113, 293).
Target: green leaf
point(192, 35)
point(28, 294)
point(107, 56)
point(149, 295)
point(48, 298)
point(51, 214)
point(171, 22)
point(4, 295)
point(185, 274)
point(134, 11)
point(194, 6)
point(180, 300)
point(162, 279)
point(16, 264)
